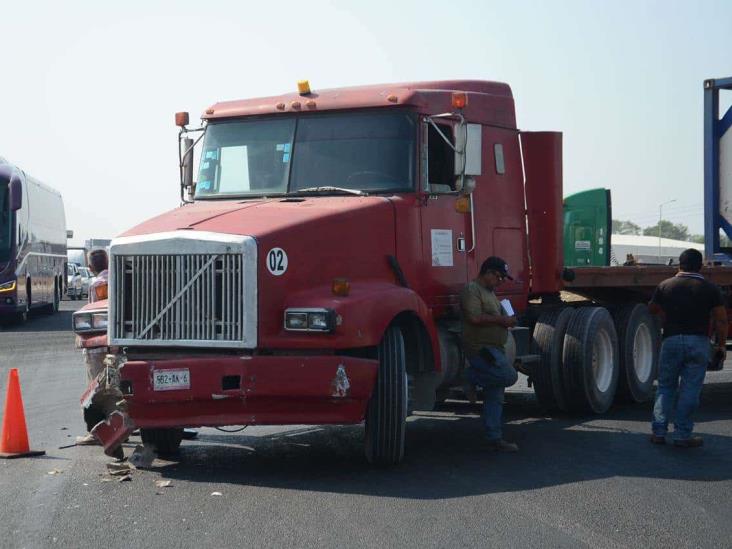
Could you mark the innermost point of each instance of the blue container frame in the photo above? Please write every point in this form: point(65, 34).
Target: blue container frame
point(714, 129)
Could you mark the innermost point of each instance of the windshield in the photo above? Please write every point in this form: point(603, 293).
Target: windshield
point(369, 152)
point(6, 224)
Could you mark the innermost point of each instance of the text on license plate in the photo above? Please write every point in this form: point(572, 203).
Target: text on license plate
point(169, 380)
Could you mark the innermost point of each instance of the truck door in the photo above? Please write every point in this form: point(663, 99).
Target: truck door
point(443, 228)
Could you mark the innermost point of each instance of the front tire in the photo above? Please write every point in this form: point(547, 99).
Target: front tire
point(387, 410)
point(165, 441)
point(590, 360)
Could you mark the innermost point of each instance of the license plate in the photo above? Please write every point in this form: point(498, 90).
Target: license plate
point(171, 380)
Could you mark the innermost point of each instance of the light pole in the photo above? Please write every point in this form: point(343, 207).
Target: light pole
point(660, 217)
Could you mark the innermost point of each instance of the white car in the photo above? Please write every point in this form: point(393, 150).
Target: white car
point(86, 280)
point(73, 281)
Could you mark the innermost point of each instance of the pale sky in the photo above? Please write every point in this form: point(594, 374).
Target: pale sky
point(89, 89)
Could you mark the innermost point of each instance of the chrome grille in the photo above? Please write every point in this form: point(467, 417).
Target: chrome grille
point(173, 298)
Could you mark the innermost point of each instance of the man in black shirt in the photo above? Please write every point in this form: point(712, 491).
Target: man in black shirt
point(686, 303)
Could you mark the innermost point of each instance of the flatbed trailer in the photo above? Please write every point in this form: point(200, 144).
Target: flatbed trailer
point(608, 281)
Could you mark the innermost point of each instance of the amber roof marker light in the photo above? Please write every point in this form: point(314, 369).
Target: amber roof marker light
point(459, 100)
point(303, 87)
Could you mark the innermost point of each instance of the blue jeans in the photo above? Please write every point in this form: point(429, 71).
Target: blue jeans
point(685, 358)
point(494, 377)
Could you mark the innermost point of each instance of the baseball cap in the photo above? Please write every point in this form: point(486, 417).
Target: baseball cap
point(495, 263)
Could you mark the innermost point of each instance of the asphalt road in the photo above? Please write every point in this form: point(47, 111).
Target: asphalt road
point(576, 482)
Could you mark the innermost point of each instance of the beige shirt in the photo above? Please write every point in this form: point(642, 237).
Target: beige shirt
point(475, 301)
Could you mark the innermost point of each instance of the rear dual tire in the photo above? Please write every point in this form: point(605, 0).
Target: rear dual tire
point(639, 337)
point(548, 343)
point(590, 360)
point(579, 366)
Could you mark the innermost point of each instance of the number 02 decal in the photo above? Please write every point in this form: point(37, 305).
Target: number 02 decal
point(277, 261)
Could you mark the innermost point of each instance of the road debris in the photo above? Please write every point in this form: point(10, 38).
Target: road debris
point(119, 469)
point(163, 483)
point(55, 472)
point(126, 478)
point(216, 494)
point(142, 457)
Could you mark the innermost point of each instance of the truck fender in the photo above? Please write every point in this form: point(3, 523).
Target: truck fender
point(368, 311)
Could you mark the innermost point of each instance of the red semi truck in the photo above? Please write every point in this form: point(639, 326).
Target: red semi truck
point(313, 273)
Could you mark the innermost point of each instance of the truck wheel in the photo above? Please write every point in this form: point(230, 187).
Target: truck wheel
point(387, 410)
point(547, 342)
point(165, 441)
point(590, 363)
point(639, 339)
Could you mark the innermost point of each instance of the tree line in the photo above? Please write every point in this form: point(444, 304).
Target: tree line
point(674, 231)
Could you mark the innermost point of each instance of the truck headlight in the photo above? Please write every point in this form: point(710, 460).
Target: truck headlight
point(310, 320)
point(99, 321)
point(82, 322)
point(90, 322)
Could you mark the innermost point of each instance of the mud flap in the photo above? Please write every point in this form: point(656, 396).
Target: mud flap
point(113, 432)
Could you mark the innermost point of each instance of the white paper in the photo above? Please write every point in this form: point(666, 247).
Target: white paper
point(506, 304)
point(442, 248)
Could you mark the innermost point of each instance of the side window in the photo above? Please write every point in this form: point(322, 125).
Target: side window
point(500, 163)
point(440, 159)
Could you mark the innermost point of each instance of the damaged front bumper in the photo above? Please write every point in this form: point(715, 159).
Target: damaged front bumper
point(249, 390)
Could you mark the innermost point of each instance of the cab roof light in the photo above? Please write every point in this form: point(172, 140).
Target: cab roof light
point(459, 100)
point(303, 87)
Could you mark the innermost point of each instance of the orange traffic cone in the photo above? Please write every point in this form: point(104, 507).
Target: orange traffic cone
point(14, 437)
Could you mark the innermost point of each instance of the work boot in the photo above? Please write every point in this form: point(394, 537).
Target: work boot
point(657, 439)
point(504, 446)
point(691, 442)
point(522, 368)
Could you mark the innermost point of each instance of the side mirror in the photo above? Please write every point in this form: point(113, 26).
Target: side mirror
point(187, 163)
point(465, 185)
point(468, 149)
point(16, 194)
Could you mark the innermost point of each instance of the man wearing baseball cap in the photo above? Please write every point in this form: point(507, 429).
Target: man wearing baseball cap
point(485, 332)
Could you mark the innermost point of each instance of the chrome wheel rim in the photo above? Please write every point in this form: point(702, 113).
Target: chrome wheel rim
point(602, 361)
point(643, 353)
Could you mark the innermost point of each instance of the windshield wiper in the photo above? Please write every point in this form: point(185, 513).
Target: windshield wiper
point(328, 189)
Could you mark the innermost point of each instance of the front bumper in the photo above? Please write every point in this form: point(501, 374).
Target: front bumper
point(10, 308)
point(261, 390)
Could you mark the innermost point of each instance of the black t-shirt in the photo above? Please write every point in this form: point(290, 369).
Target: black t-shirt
point(687, 300)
